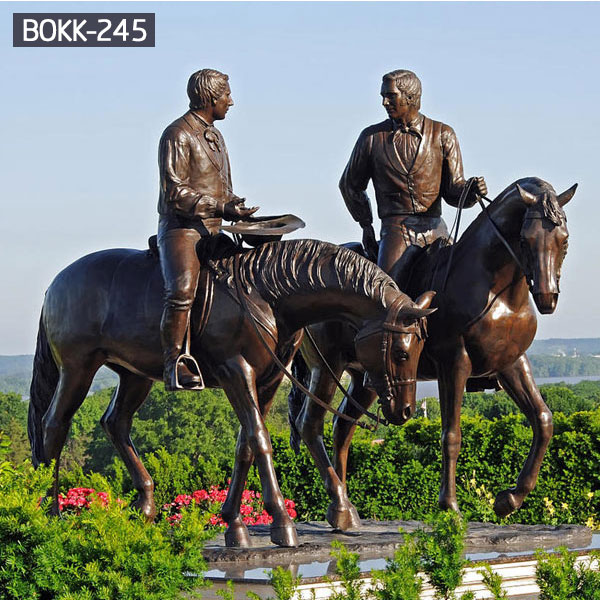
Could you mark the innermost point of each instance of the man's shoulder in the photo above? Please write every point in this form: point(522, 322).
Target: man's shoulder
point(444, 128)
point(179, 128)
point(371, 130)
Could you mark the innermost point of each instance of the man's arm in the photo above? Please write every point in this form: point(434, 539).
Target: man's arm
point(453, 180)
point(353, 184)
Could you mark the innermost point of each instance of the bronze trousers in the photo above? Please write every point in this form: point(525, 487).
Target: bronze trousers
point(400, 232)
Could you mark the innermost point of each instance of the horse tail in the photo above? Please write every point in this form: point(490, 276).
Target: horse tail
point(43, 385)
point(296, 399)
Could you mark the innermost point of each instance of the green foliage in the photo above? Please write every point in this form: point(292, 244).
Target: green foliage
point(400, 579)
point(400, 478)
point(560, 578)
point(106, 553)
point(564, 366)
point(348, 570)
point(229, 592)
point(13, 422)
point(488, 406)
point(190, 424)
point(441, 551)
point(493, 582)
point(282, 581)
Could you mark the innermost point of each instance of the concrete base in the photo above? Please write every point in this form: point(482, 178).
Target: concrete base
point(509, 549)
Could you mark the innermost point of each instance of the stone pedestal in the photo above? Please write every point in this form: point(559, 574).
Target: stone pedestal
point(509, 549)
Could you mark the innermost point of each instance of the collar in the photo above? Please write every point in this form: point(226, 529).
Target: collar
point(201, 119)
point(414, 126)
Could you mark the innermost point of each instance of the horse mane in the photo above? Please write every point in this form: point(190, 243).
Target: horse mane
point(538, 187)
point(534, 185)
point(280, 269)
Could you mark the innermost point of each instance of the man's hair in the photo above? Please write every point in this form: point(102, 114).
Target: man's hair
point(205, 86)
point(407, 83)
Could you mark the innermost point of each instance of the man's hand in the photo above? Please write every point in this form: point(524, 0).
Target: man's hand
point(480, 186)
point(370, 243)
point(235, 210)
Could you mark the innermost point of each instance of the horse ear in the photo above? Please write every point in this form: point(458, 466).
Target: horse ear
point(420, 307)
point(414, 312)
point(566, 195)
point(526, 196)
point(424, 300)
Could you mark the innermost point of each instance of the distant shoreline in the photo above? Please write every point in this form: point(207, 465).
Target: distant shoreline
point(429, 389)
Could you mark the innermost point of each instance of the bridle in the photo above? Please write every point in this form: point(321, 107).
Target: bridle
point(391, 327)
point(531, 213)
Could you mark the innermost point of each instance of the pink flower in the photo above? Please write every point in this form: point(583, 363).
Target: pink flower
point(200, 495)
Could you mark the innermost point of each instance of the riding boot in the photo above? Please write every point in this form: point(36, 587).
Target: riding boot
point(177, 374)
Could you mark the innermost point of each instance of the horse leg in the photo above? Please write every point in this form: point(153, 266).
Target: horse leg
point(237, 532)
point(73, 385)
point(451, 381)
point(343, 430)
point(116, 422)
point(341, 514)
point(238, 381)
point(518, 382)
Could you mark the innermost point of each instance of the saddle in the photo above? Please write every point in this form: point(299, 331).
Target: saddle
point(254, 232)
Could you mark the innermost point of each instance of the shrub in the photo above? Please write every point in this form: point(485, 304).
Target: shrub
point(559, 578)
point(400, 478)
point(107, 552)
point(441, 551)
point(400, 580)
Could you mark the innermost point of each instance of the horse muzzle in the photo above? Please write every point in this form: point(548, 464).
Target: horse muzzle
point(546, 303)
point(397, 409)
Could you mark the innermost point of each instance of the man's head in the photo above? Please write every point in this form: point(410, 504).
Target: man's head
point(209, 92)
point(401, 93)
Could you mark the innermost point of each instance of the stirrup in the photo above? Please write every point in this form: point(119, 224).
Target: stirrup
point(172, 383)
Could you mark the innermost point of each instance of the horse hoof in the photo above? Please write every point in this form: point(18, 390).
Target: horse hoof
point(148, 509)
point(506, 503)
point(449, 504)
point(285, 536)
point(343, 519)
point(236, 535)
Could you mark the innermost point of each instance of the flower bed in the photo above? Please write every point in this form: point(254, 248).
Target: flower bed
point(252, 507)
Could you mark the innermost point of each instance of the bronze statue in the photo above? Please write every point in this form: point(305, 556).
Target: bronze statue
point(413, 163)
point(105, 309)
point(195, 195)
point(483, 326)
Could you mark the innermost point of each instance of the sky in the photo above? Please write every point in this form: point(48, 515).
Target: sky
point(80, 126)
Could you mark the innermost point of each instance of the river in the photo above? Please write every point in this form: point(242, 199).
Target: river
point(428, 389)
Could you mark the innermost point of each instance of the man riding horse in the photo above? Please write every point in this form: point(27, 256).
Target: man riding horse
point(413, 163)
point(195, 195)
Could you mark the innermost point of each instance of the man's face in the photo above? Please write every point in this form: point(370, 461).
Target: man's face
point(222, 104)
point(394, 101)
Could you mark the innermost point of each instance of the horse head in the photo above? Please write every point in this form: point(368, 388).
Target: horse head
point(390, 349)
point(544, 241)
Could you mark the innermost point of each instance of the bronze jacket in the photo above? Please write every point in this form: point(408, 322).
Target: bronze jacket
point(195, 179)
point(437, 172)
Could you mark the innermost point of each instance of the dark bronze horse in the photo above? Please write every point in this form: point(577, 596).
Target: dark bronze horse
point(482, 328)
point(105, 309)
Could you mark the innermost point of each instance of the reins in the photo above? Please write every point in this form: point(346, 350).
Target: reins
point(456, 225)
point(377, 418)
point(499, 234)
point(282, 367)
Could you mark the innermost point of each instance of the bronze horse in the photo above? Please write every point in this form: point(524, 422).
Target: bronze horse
point(105, 309)
point(482, 328)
